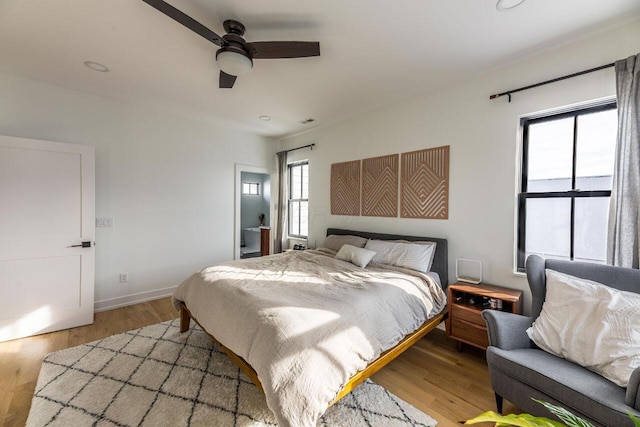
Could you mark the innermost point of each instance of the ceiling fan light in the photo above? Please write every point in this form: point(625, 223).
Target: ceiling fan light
point(234, 63)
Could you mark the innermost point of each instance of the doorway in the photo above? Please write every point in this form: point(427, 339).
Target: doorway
point(254, 209)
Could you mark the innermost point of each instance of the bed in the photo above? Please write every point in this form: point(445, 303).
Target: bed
point(306, 327)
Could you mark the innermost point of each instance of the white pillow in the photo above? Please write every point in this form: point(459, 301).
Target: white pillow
point(358, 256)
point(335, 241)
point(590, 324)
point(416, 256)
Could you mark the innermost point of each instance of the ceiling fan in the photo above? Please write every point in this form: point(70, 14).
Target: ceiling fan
point(235, 56)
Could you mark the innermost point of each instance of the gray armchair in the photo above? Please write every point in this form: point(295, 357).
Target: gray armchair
point(519, 370)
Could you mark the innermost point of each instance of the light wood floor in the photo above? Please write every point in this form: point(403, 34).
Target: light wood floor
point(432, 375)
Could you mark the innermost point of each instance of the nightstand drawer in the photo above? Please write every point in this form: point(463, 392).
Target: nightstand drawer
point(469, 314)
point(469, 332)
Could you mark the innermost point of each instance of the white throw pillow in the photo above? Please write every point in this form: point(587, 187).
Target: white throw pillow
point(590, 324)
point(416, 256)
point(358, 256)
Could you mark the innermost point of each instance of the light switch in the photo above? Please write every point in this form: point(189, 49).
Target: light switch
point(104, 222)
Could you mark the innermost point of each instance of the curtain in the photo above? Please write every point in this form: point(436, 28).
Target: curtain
point(624, 211)
point(281, 204)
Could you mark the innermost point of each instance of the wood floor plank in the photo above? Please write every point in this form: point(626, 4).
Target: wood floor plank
point(21, 398)
point(432, 375)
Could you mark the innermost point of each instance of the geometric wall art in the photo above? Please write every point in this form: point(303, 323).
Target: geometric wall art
point(345, 188)
point(380, 186)
point(424, 184)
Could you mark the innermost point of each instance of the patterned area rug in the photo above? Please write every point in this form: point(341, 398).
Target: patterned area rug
point(156, 376)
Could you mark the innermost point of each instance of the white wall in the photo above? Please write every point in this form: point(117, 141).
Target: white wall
point(168, 182)
point(483, 135)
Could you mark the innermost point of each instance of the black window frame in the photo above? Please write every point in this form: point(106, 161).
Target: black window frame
point(572, 194)
point(291, 200)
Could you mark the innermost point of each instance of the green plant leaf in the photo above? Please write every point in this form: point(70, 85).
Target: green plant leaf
point(526, 420)
point(522, 420)
point(567, 417)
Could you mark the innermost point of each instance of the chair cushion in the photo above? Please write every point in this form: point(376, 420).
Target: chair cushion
point(572, 385)
point(590, 324)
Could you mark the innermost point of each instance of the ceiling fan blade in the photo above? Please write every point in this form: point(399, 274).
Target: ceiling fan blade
point(226, 80)
point(186, 20)
point(274, 50)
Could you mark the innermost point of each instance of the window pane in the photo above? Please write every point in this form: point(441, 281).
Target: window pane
point(592, 216)
point(296, 182)
point(304, 218)
point(298, 209)
point(548, 227)
point(596, 150)
point(294, 218)
point(550, 156)
point(250, 188)
point(305, 181)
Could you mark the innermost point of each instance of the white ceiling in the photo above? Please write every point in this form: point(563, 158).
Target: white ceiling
point(373, 53)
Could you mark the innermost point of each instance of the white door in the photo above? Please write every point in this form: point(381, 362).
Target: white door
point(46, 211)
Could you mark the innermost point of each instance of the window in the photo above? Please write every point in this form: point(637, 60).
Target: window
point(299, 199)
point(565, 187)
point(251, 188)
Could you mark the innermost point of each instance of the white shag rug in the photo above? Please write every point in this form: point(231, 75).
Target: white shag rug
point(156, 376)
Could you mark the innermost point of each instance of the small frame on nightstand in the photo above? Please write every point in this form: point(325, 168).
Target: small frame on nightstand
point(468, 271)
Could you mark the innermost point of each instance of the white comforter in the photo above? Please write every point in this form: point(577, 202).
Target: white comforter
point(307, 322)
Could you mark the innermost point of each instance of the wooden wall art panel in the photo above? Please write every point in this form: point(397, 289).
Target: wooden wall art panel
point(424, 184)
point(380, 186)
point(345, 188)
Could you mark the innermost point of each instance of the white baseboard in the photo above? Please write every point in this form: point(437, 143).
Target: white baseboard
point(109, 304)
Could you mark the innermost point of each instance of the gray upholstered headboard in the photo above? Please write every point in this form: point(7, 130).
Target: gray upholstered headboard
point(440, 260)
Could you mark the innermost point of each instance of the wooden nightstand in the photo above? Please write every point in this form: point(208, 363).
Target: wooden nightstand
point(467, 301)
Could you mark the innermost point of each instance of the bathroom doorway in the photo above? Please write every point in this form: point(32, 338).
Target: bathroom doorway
point(253, 209)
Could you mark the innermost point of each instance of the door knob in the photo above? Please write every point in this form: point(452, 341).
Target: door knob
point(83, 245)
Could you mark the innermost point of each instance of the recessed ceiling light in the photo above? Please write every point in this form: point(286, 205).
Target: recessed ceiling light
point(96, 66)
point(503, 5)
point(265, 118)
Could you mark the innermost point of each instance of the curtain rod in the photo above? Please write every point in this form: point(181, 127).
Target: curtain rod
point(300, 148)
point(568, 76)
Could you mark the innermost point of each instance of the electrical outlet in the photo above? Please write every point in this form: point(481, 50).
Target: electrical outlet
point(124, 277)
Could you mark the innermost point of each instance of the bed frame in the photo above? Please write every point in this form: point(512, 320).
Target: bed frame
point(440, 266)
